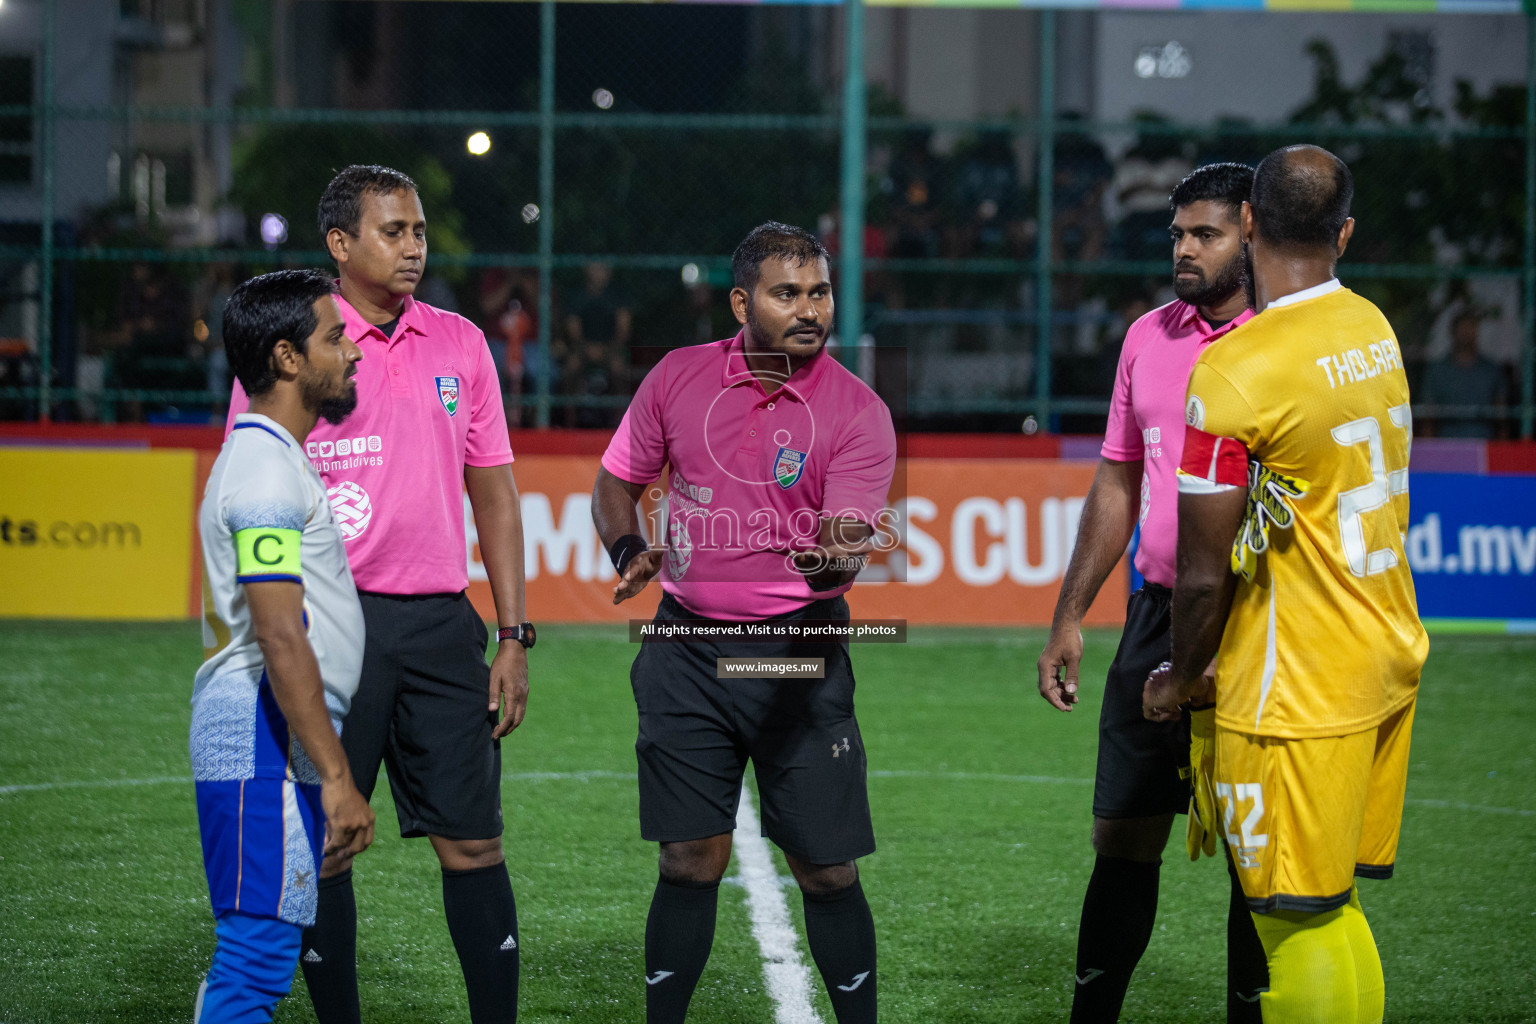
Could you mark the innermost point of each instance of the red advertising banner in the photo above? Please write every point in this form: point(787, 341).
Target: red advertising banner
point(983, 541)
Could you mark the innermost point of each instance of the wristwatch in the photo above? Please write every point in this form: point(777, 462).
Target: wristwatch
point(523, 633)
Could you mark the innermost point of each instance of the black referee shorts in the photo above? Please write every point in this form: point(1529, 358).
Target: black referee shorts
point(421, 709)
point(1140, 761)
point(697, 733)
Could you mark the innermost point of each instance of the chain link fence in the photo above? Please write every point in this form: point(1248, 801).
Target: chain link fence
point(587, 169)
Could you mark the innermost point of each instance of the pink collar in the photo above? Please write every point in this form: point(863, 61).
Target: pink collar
point(1192, 316)
point(735, 371)
point(357, 327)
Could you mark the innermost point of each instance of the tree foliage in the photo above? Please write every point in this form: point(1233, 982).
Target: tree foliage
point(283, 169)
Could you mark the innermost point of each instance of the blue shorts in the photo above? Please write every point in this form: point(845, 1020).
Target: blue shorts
point(260, 816)
point(253, 962)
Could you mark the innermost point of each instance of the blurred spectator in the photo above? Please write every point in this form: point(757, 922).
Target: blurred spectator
point(1082, 174)
point(1133, 307)
point(209, 299)
point(150, 304)
point(1145, 176)
point(1496, 302)
point(700, 309)
point(597, 330)
point(876, 246)
point(19, 365)
point(988, 199)
point(1465, 378)
point(1232, 141)
point(152, 343)
point(18, 369)
point(1078, 232)
point(511, 330)
point(916, 185)
point(829, 227)
point(435, 291)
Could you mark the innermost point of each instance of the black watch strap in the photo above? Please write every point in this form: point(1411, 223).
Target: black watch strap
point(523, 633)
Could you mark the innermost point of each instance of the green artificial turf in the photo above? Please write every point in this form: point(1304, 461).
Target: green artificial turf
point(981, 796)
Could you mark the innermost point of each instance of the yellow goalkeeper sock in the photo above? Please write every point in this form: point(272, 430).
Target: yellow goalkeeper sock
point(1311, 968)
point(1368, 977)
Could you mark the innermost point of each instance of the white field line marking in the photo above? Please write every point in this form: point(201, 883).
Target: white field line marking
point(598, 774)
point(583, 776)
point(48, 787)
point(45, 787)
point(1457, 805)
point(789, 981)
point(1049, 780)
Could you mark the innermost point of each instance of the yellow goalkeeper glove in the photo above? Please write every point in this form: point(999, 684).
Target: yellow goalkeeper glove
point(1268, 496)
point(1203, 828)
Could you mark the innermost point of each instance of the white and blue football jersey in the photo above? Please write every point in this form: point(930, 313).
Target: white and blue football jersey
point(265, 517)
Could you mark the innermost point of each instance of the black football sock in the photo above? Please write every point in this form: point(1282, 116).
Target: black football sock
point(328, 953)
point(678, 935)
point(1118, 911)
point(482, 919)
point(1247, 969)
point(841, 933)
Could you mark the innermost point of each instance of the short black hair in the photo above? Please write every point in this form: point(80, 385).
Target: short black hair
point(777, 242)
point(1228, 183)
point(265, 310)
point(1301, 197)
point(341, 204)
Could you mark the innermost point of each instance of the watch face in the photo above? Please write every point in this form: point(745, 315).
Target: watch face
point(530, 635)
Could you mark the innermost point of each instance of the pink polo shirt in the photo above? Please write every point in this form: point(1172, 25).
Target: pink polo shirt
point(752, 473)
point(428, 404)
point(1146, 420)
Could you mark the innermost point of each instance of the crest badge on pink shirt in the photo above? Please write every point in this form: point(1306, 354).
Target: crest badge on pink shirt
point(448, 393)
point(787, 467)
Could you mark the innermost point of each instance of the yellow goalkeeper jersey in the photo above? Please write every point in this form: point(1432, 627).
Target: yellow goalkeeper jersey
point(1325, 639)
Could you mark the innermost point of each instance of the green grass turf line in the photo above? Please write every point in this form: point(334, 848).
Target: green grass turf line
point(1495, 627)
point(976, 887)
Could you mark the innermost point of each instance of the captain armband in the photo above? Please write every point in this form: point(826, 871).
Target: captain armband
point(1211, 464)
point(267, 553)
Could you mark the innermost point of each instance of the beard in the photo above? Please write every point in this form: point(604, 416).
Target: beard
point(1203, 291)
point(766, 340)
point(331, 405)
point(334, 410)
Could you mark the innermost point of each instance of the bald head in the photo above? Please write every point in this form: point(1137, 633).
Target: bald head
point(1301, 197)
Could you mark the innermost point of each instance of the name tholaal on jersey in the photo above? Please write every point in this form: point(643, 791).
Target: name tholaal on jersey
point(1351, 366)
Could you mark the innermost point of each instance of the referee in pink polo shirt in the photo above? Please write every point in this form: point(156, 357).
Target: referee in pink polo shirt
point(780, 461)
point(429, 426)
point(1142, 778)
